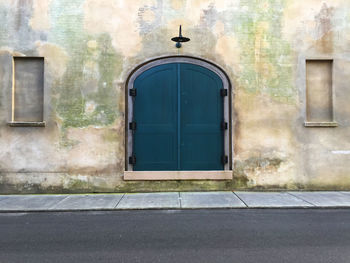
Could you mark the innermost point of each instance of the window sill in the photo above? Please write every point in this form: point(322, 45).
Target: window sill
point(321, 124)
point(26, 124)
point(177, 175)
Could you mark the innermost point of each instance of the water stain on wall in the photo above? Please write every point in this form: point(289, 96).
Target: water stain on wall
point(90, 46)
point(265, 57)
point(324, 29)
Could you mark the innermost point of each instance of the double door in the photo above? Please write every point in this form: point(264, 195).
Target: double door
point(178, 121)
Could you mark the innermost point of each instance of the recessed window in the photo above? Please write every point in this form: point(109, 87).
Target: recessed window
point(27, 91)
point(319, 93)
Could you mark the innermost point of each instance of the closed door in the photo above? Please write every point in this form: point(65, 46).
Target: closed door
point(178, 119)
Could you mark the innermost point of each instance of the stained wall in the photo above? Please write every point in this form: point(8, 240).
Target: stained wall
point(91, 46)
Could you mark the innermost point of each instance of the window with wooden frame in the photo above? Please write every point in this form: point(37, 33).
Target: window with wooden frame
point(27, 92)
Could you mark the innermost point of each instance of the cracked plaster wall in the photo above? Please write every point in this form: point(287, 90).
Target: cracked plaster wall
point(90, 47)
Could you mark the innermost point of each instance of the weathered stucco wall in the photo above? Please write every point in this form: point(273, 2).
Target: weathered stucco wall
point(91, 46)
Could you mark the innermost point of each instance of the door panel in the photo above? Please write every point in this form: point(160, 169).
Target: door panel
point(201, 144)
point(178, 110)
point(155, 113)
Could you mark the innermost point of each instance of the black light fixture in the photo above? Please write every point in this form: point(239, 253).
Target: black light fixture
point(180, 39)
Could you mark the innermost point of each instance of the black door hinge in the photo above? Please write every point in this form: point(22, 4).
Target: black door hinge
point(223, 92)
point(224, 125)
point(132, 159)
point(132, 92)
point(132, 125)
point(224, 159)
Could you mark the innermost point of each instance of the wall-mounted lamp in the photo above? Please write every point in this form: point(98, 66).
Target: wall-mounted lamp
point(180, 39)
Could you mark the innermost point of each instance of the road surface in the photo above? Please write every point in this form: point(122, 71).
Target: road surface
point(237, 235)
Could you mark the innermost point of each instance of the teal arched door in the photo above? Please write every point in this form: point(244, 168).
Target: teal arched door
point(178, 119)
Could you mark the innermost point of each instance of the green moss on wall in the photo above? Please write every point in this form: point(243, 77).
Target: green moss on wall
point(265, 57)
point(87, 94)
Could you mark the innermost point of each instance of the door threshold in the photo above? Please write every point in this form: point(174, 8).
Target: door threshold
point(177, 175)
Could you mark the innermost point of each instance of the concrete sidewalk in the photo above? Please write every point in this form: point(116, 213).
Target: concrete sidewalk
point(173, 200)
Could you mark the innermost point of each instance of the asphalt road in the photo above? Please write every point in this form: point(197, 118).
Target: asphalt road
point(298, 236)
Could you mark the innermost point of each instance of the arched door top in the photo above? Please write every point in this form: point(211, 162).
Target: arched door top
point(178, 59)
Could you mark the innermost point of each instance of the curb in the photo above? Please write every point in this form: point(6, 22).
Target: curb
point(173, 208)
